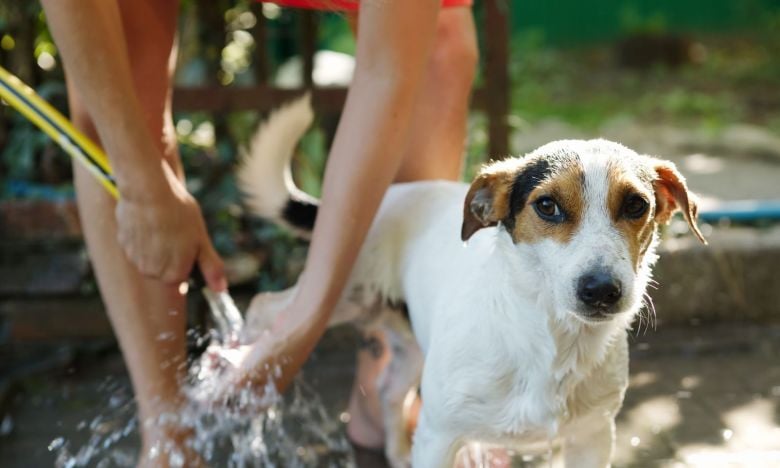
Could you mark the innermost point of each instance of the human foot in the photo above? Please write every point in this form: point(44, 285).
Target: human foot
point(365, 427)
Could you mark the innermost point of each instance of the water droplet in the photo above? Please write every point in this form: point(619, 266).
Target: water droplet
point(56, 444)
point(176, 458)
point(727, 434)
point(115, 401)
point(635, 441)
point(7, 425)
point(689, 382)
point(683, 394)
point(166, 336)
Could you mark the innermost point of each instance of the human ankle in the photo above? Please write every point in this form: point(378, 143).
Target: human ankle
point(167, 443)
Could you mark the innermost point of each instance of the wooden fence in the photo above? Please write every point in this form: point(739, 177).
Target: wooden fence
point(493, 98)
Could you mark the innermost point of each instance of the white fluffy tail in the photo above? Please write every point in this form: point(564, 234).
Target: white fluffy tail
point(264, 174)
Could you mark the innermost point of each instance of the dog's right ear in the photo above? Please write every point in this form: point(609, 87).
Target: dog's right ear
point(487, 201)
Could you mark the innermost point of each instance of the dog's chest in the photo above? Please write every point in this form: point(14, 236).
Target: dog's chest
point(538, 399)
point(531, 409)
point(535, 407)
point(514, 396)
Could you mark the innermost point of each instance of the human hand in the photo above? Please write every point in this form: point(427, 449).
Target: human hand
point(255, 370)
point(162, 233)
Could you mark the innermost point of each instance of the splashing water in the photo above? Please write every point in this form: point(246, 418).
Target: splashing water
point(256, 429)
point(114, 422)
point(295, 431)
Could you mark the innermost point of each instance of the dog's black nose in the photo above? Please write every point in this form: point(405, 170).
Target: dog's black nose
point(599, 289)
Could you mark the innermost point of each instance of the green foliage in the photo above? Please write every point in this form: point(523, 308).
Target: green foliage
point(335, 33)
point(477, 145)
point(309, 162)
point(23, 146)
point(585, 87)
point(632, 21)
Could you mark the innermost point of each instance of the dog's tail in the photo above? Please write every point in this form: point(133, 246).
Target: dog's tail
point(264, 174)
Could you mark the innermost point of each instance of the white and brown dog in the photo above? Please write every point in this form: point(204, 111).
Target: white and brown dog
point(520, 287)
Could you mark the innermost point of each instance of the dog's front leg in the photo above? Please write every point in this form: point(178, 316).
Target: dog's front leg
point(592, 445)
point(433, 448)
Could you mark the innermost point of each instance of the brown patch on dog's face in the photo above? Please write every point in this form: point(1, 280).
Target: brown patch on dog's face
point(565, 190)
point(630, 204)
point(641, 192)
point(508, 192)
point(641, 196)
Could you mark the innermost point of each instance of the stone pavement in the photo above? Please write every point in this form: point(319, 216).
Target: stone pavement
point(706, 396)
point(703, 397)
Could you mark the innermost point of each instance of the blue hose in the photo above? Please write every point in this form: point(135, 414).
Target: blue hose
point(743, 211)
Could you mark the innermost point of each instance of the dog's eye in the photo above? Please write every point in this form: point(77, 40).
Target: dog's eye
point(548, 210)
point(634, 207)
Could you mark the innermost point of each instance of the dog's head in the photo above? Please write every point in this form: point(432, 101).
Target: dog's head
point(585, 214)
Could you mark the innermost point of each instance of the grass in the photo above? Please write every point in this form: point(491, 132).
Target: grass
point(735, 81)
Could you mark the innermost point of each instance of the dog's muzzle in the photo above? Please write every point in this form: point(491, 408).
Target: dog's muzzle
point(599, 291)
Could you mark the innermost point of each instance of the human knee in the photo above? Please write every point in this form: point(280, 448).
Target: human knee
point(455, 54)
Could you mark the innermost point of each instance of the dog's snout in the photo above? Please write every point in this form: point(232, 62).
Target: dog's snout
point(599, 289)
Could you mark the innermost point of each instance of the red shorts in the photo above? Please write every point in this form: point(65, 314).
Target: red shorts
point(348, 5)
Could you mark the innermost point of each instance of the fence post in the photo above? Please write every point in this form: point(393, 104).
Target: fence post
point(308, 46)
point(497, 90)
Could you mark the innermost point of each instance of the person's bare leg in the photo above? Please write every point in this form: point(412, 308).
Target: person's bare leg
point(434, 151)
point(438, 137)
point(148, 316)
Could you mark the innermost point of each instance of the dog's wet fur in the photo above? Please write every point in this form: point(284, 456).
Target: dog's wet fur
point(520, 288)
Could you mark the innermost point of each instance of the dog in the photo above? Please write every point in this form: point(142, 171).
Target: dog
point(520, 287)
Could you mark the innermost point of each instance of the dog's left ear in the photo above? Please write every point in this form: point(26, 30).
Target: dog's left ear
point(672, 194)
point(486, 202)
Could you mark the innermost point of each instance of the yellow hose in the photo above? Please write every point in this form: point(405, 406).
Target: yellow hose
point(22, 98)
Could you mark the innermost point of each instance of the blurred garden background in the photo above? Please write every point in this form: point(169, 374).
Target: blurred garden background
point(697, 81)
point(601, 68)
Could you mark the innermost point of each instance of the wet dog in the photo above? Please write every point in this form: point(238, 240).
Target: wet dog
point(520, 287)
